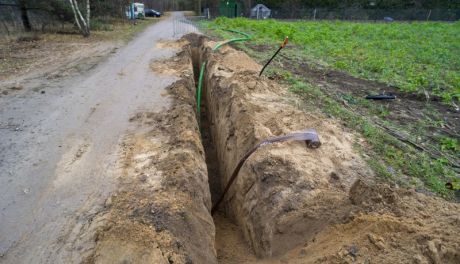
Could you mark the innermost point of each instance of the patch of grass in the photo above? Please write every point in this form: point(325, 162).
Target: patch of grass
point(448, 143)
point(98, 24)
point(416, 57)
point(389, 158)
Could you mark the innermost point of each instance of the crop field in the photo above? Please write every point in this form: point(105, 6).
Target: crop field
point(333, 65)
point(415, 57)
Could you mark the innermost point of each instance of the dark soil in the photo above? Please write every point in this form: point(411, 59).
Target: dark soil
point(406, 108)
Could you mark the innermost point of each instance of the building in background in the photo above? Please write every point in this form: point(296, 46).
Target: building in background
point(230, 8)
point(260, 12)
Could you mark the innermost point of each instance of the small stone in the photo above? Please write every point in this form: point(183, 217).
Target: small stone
point(377, 241)
point(26, 190)
point(380, 245)
point(42, 92)
point(108, 202)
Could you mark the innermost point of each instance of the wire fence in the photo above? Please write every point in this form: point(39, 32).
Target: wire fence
point(60, 18)
point(368, 14)
point(186, 24)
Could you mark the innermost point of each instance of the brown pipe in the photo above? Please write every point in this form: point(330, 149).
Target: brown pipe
point(309, 136)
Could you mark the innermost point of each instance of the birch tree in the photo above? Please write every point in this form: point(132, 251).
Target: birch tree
point(83, 22)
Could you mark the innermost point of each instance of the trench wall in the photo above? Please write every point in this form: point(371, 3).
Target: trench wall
point(285, 193)
point(162, 213)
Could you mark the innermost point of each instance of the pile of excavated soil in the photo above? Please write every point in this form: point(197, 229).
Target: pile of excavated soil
point(294, 204)
point(385, 225)
point(161, 214)
point(285, 192)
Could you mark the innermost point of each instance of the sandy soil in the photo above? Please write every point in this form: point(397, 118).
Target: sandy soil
point(385, 225)
point(61, 140)
point(164, 200)
point(303, 206)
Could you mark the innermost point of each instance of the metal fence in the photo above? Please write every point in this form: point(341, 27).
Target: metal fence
point(368, 14)
point(186, 24)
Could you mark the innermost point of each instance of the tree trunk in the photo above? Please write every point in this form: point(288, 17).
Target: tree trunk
point(88, 12)
point(82, 23)
point(75, 14)
point(25, 16)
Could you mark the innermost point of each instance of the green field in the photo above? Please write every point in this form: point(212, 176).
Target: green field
point(416, 57)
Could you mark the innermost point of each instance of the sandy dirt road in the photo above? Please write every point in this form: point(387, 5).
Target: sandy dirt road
point(58, 150)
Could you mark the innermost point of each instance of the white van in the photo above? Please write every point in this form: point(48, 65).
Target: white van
point(139, 11)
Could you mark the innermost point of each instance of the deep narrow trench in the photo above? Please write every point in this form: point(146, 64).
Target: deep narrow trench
point(205, 123)
point(230, 243)
point(212, 161)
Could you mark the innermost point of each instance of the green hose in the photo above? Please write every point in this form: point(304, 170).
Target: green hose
point(198, 91)
point(245, 38)
point(203, 65)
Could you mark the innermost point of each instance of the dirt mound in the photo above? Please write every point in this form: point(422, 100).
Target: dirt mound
point(388, 225)
point(287, 195)
point(285, 192)
point(161, 214)
point(290, 204)
point(171, 44)
point(384, 225)
point(173, 66)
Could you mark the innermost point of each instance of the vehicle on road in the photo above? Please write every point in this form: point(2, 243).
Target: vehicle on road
point(135, 11)
point(152, 13)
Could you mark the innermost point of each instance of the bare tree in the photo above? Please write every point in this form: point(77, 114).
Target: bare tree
point(82, 22)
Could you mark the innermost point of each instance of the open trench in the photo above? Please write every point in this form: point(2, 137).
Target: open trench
point(229, 241)
point(283, 194)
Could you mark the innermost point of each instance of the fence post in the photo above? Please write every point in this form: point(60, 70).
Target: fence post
point(314, 14)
